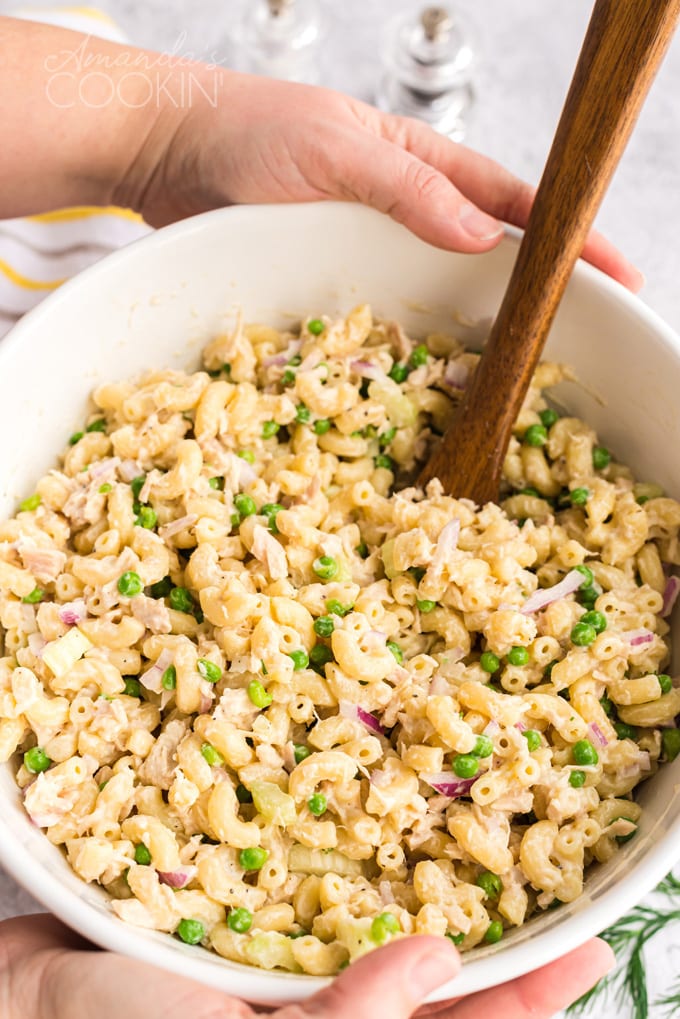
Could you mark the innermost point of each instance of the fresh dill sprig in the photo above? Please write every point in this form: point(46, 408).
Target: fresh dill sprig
point(670, 1002)
point(628, 938)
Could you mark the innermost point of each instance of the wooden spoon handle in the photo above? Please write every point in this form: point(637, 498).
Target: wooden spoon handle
point(624, 46)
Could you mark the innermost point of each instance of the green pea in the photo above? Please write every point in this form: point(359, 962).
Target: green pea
point(97, 426)
point(271, 510)
point(75, 438)
point(601, 458)
point(209, 670)
point(387, 438)
point(530, 490)
point(384, 461)
point(243, 795)
point(302, 414)
point(147, 518)
point(536, 435)
point(518, 655)
point(162, 588)
point(631, 834)
point(300, 659)
point(325, 567)
point(584, 753)
point(577, 779)
point(336, 608)
point(36, 595)
point(483, 747)
point(490, 883)
point(130, 584)
point(212, 755)
point(245, 504)
point(398, 372)
point(269, 429)
point(320, 655)
point(322, 426)
point(318, 804)
point(324, 626)
point(533, 739)
point(490, 662)
point(419, 356)
point(288, 377)
point(624, 731)
point(258, 695)
point(315, 326)
point(132, 687)
point(253, 858)
point(494, 932)
point(665, 682)
point(396, 651)
point(247, 455)
point(142, 855)
point(579, 496)
point(362, 550)
point(383, 926)
point(426, 605)
point(607, 705)
point(216, 483)
point(191, 931)
point(137, 484)
point(457, 939)
point(597, 620)
point(548, 417)
point(181, 600)
point(583, 634)
point(30, 504)
point(105, 488)
point(36, 760)
point(301, 752)
point(240, 920)
point(670, 741)
point(169, 678)
point(465, 765)
point(588, 577)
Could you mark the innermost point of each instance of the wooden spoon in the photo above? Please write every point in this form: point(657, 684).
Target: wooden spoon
point(623, 48)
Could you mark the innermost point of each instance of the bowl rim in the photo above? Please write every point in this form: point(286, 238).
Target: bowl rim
point(276, 987)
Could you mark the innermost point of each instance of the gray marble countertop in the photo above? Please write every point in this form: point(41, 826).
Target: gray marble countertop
point(526, 51)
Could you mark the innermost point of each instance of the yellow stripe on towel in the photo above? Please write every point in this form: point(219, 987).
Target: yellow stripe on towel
point(85, 212)
point(24, 281)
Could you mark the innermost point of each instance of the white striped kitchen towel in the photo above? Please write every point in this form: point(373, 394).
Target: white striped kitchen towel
point(38, 253)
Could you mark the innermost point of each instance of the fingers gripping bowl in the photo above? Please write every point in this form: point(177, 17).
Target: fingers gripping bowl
point(156, 305)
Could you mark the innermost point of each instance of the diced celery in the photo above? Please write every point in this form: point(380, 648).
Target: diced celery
point(302, 860)
point(400, 410)
point(61, 655)
point(274, 805)
point(272, 950)
point(355, 935)
point(387, 553)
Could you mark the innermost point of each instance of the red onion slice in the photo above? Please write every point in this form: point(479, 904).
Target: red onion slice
point(546, 596)
point(36, 644)
point(129, 469)
point(670, 594)
point(448, 784)
point(367, 370)
point(456, 374)
point(175, 526)
point(73, 612)
point(357, 714)
point(598, 736)
point(177, 878)
point(637, 638)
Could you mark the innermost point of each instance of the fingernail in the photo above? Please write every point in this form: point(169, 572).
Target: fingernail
point(478, 225)
point(432, 970)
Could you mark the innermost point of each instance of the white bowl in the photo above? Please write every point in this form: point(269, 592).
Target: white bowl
point(154, 303)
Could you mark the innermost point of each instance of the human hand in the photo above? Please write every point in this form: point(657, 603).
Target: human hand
point(271, 141)
point(48, 972)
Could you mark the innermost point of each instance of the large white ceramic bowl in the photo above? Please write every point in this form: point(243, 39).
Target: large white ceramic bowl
point(155, 303)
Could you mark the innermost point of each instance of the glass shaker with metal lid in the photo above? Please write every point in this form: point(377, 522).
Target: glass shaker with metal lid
point(279, 38)
point(428, 71)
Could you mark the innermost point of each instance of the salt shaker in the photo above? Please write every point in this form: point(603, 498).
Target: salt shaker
point(428, 71)
point(280, 39)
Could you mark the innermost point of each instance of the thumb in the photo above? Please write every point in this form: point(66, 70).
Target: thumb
point(392, 981)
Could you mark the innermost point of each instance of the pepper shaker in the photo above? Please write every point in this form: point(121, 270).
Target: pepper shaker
point(280, 39)
point(428, 71)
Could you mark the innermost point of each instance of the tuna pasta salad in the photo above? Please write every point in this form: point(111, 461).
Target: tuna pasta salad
point(282, 703)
